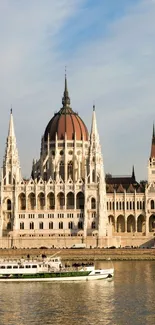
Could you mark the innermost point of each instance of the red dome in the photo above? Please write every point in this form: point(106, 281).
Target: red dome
point(66, 122)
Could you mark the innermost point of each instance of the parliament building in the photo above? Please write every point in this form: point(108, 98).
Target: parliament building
point(68, 198)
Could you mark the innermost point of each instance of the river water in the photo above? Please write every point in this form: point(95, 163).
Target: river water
point(128, 299)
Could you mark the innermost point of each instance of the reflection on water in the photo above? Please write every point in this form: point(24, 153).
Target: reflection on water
point(129, 299)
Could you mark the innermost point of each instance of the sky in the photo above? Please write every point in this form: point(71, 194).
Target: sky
point(109, 49)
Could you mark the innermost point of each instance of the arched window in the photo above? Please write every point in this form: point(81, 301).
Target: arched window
point(137, 205)
point(152, 204)
point(93, 203)
point(127, 205)
point(22, 225)
point(130, 205)
point(120, 205)
point(140, 205)
point(51, 225)
point(110, 205)
point(31, 201)
point(9, 226)
point(8, 204)
point(80, 225)
point(93, 176)
point(50, 201)
point(41, 225)
point(61, 170)
point(70, 225)
point(31, 225)
point(70, 169)
point(60, 225)
point(45, 176)
point(41, 201)
point(93, 225)
point(9, 177)
point(143, 205)
point(70, 200)
point(60, 200)
point(116, 205)
point(22, 201)
point(80, 200)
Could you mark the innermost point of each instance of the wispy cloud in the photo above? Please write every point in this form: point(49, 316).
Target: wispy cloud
point(110, 54)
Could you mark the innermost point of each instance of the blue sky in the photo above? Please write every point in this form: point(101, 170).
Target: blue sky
point(108, 47)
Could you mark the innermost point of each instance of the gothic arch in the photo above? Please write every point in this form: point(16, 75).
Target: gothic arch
point(93, 225)
point(41, 201)
point(111, 220)
point(120, 223)
point(62, 170)
point(131, 223)
point(70, 170)
point(51, 225)
point(9, 225)
point(70, 225)
point(8, 203)
point(21, 201)
point(80, 200)
point(31, 225)
point(152, 223)
point(80, 225)
point(31, 201)
point(141, 223)
point(60, 200)
point(22, 225)
point(152, 204)
point(70, 200)
point(93, 203)
point(50, 201)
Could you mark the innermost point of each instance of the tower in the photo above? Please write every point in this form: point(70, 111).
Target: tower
point(97, 176)
point(151, 162)
point(11, 175)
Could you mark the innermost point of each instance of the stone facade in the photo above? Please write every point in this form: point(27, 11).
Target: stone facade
point(68, 198)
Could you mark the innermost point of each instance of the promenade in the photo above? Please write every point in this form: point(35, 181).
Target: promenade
point(83, 254)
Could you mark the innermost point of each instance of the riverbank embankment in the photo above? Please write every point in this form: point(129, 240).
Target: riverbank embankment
point(83, 254)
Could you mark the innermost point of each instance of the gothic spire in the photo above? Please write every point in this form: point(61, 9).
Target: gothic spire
point(11, 131)
point(133, 173)
point(66, 98)
point(153, 143)
point(11, 164)
point(94, 132)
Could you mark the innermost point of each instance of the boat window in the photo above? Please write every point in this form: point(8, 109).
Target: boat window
point(34, 266)
point(28, 266)
point(97, 272)
point(2, 267)
point(21, 266)
point(15, 266)
point(9, 267)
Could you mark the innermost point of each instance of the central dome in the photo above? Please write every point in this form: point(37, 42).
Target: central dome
point(66, 121)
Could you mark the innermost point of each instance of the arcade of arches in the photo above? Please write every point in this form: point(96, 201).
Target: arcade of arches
point(131, 224)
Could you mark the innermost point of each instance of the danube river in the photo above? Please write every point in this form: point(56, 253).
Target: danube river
point(128, 299)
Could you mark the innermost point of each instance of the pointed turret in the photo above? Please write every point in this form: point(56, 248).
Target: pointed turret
point(133, 174)
point(66, 98)
point(153, 144)
point(151, 162)
point(11, 164)
point(11, 132)
point(94, 132)
point(96, 172)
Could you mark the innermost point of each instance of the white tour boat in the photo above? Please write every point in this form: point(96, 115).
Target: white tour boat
point(49, 269)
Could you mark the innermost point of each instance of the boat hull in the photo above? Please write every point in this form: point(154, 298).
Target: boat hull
point(105, 275)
